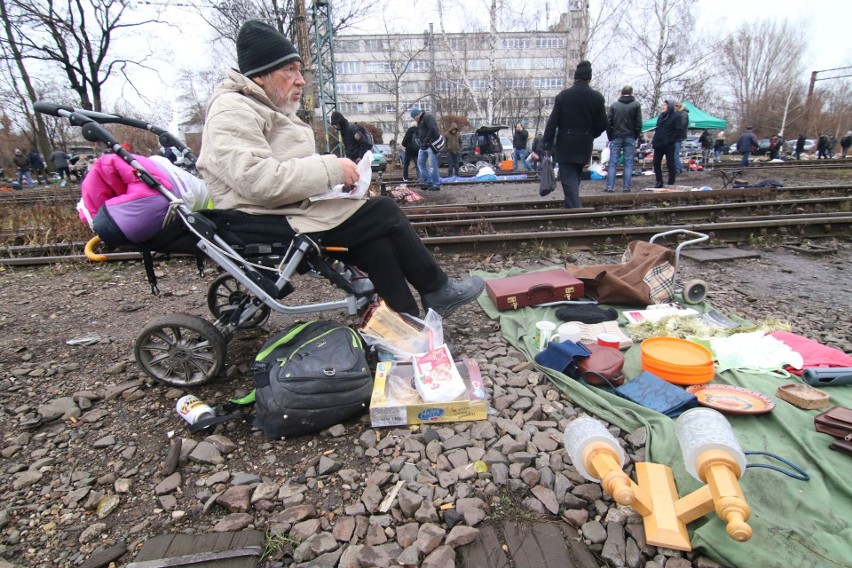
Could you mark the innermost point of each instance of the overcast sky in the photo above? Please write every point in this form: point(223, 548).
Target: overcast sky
point(827, 43)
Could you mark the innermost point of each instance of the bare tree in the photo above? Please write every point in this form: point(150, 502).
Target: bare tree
point(14, 69)
point(76, 37)
point(662, 40)
point(760, 67)
point(228, 16)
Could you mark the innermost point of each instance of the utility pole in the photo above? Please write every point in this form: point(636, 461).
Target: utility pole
point(814, 79)
point(326, 75)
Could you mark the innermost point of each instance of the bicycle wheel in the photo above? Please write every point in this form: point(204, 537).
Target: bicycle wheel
point(180, 350)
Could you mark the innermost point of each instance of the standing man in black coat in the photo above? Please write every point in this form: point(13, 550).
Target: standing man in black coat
point(412, 148)
point(665, 136)
point(578, 117)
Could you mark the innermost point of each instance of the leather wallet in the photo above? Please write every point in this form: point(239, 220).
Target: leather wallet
point(843, 445)
point(836, 421)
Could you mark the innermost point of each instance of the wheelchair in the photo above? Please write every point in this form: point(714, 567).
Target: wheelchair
point(185, 350)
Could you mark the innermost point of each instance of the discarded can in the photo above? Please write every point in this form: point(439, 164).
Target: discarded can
point(191, 409)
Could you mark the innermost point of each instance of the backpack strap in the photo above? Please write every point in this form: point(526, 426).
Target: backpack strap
point(229, 412)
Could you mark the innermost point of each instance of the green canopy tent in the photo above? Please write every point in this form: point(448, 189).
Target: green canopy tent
point(698, 119)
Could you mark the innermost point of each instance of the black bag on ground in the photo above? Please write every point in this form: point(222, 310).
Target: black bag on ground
point(310, 377)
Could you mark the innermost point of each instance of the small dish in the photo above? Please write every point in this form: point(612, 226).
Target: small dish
point(732, 399)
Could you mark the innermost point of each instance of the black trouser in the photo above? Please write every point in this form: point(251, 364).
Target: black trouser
point(383, 244)
point(569, 175)
point(669, 152)
point(407, 160)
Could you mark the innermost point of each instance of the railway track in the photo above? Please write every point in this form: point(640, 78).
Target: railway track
point(808, 212)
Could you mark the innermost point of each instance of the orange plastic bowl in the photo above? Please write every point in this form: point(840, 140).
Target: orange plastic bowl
point(680, 378)
point(674, 351)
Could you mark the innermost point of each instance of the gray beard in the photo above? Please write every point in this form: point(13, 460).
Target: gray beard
point(282, 101)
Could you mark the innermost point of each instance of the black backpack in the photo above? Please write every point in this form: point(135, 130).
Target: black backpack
point(310, 377)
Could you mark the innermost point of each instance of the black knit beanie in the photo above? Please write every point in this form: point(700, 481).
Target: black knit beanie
point(337, 118)
point(262, 49)
point(583, 72)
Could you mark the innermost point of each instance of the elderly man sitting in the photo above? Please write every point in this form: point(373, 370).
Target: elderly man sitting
point(258, 157)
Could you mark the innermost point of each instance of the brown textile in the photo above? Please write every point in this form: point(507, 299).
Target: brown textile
point(629, 283)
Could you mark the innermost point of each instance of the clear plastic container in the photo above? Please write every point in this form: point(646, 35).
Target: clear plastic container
point(583, 431)
point(702, 429)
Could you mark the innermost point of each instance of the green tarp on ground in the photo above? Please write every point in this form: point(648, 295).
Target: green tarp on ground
point(795, 523)
point(698, 119)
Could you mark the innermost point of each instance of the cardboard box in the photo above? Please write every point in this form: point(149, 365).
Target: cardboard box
point(385, 411)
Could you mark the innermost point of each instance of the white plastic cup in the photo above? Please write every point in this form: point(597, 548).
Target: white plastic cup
point(569, 332)
point(191, 409)
point(543, 333)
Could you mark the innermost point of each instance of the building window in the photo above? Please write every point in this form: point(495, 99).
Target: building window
point(550, 43)
point(351, 108)
point(347, 46)
point(375, 45)
point(548, 83)
point(516, 43)
point(418, 66)
point(479, 84)
point(347, 67)
point(350, 88)
point(377, 67)
point(477, 64)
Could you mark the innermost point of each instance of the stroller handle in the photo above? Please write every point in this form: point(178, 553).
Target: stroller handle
point(165, 137)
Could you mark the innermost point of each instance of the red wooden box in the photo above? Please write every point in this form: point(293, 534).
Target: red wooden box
point(533, 288)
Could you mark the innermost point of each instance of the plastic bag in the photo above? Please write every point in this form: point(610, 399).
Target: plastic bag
point(547, 177)
point(401, 336)
point(605, 155)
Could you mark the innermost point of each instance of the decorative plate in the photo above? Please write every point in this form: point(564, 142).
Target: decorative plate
point(732, 399)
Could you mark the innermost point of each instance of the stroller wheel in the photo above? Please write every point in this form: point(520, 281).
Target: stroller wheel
point(181, 350)
point(694, 291)
point(226, 294)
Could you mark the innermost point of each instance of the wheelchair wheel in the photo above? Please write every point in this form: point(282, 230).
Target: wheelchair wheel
point(225, 294)
point(181, 350)
point(694, 291)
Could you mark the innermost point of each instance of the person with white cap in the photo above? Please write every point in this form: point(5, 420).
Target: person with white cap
point(258, 157)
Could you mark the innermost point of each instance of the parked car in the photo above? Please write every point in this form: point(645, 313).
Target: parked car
point(482, 145)
point(762, 147)
point(508, 148)
point(810, 145)
point(380, 162)
point(385, 149)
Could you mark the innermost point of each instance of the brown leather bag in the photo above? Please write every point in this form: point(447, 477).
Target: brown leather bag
point(602, 367)
point(837, 422)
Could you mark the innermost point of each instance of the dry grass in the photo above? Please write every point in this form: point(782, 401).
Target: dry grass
point(40, 224)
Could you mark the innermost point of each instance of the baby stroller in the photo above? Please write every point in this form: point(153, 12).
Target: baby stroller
point(186, 350)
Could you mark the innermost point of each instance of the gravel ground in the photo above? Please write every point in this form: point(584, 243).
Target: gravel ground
point(92, 475)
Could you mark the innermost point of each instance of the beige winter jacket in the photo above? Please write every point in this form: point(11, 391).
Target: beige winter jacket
point(257, 159)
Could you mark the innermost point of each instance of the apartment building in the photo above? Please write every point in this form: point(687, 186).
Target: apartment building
point(498, 78)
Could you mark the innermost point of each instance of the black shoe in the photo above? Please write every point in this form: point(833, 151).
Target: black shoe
point(609, 190)
point(432, 188)
point(453, 294)
point(658, 186)
point(626, 190)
